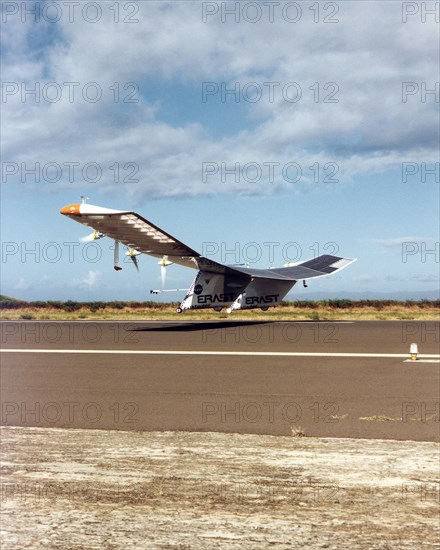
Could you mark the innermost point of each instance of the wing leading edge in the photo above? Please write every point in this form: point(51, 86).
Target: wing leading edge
point(134, 231)
point(316, 267)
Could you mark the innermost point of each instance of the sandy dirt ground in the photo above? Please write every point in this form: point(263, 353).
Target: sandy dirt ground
point(72, 489)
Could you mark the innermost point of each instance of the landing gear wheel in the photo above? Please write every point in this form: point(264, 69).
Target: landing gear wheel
point(179, 310)
point(218, 308)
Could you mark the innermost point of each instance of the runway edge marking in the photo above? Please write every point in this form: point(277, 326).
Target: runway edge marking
point(215, 352)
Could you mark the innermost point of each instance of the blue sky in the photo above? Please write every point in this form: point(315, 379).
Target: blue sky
point(324, 142)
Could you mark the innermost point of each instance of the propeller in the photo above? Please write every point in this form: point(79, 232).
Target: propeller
point(164, 262)
point(132, 253)
point(92, 237)
point(116, 257)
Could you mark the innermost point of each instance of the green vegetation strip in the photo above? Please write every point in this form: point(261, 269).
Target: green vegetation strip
point(326, 310)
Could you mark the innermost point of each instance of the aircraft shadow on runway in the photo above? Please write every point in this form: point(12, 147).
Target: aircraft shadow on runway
point(190, 327)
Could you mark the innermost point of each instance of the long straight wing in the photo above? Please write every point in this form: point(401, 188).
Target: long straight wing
point(317, 267)
point(132, 230)
point(140, 234)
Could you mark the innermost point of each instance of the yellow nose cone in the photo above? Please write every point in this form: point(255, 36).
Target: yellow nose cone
point(70, 210)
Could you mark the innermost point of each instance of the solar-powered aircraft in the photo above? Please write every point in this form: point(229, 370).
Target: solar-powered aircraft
point(216, 285)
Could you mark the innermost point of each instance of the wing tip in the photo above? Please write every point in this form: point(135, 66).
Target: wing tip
point(71, 210)
point(342, 262)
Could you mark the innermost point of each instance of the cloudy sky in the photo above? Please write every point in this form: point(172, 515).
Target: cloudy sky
point(311, 125)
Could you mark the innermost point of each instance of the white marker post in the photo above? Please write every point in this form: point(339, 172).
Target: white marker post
point(414, 350)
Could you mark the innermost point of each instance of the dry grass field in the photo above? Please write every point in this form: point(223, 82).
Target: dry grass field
point(329, 310)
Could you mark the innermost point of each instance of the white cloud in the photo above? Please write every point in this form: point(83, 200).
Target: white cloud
point(368, 54)
point(425, 278)
point(21, 284)
point(401, 242)
point(420, 278)
point(91, 280)
point(364, 278)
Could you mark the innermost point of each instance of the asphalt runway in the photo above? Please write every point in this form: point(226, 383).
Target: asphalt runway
point(325, 379)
